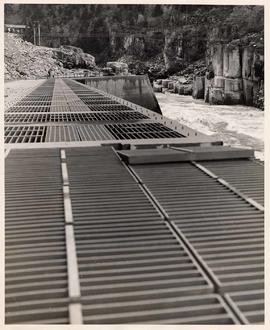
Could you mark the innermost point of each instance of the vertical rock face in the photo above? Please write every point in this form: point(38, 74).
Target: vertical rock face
point(172, 51)
point(235, 81)
point(198, 88)
point(232, 62)
point(247, 62)
point(216, 56)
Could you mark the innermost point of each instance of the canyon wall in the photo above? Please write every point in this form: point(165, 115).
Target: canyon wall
point(166, 37)
point(238, 73)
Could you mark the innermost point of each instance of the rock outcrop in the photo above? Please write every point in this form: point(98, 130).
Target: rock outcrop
point(23, 60)
point(74, 57)
point(238, 74)
point(118, 67)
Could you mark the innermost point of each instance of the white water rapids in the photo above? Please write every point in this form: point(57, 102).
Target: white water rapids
point(235, 125)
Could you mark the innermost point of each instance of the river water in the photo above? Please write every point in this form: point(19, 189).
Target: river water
point(235, 125)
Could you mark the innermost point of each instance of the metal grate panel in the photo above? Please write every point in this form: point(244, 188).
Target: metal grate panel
point(35, 261)
point(87, 94)
point(225, 231)
point(28, 109)
point(62, 134)
point(60, 108)
point(132, 268)
point(93, 133)
point(94, 98)
point(36, 98)
point(25, 134)
point(27, 118)
point(141, 131)
point(33, 103)
point(84, 117)
point(244, 175)
point(108, 107)
point(100, 101)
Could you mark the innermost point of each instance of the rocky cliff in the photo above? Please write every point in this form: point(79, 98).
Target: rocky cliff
point(169, 37)
point(178, 32)
point(238, 72)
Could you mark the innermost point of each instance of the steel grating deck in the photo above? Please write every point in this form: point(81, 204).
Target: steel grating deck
point(70, 104)
point(94, 238)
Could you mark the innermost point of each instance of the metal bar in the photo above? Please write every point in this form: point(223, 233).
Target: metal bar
point(75, 307)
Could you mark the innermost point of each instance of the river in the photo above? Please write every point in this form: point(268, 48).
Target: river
point(236, 125)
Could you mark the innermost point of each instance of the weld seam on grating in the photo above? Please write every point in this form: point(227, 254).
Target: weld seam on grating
point(75, 306)
point(229, 186)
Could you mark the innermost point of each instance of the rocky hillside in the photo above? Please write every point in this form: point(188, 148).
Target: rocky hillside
point(179, 33)
point(171, 39)
point(25, 60)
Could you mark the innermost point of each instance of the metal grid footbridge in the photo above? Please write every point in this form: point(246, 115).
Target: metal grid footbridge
point(118, 215)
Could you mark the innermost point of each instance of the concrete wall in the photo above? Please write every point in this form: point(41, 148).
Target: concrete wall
point(136, 89)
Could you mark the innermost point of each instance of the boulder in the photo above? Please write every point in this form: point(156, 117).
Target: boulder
point(188, 89)
point(165, 83)
point(176, 87)
point(181, 90)
point(182, 80)
point(171, 85)
point(216, 96)
point(73, 57)
point(198, 88)
point(118, 67)
point(157, 88)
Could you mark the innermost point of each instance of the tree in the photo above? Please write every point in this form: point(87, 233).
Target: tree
point(157, 11)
